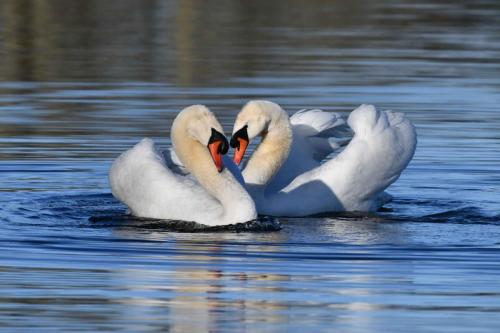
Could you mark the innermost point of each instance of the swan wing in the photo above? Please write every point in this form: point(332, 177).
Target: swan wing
point(382, 146)
point(316, 134)
point(142, 179)
point(173, 162)
point(389, 141)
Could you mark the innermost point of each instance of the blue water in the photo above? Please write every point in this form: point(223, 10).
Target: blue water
point(82, 81)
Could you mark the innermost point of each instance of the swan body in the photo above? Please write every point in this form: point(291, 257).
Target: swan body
point(382, 146)
point(183, 184)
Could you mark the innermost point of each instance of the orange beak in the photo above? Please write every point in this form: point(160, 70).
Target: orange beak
point(239, 142)
point(216, 156)
point(217, 146)
point(240, 151)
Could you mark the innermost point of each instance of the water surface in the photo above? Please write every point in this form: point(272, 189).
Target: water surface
point(82, 81)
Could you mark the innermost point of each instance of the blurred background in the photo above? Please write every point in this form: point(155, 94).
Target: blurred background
point(195, 42)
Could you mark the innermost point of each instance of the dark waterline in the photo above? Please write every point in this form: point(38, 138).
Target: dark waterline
point(81, 81)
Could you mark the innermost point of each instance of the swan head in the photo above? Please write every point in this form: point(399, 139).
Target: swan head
point(199, 124)
point(256, 118)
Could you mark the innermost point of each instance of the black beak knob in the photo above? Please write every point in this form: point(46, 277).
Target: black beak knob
point(217, 136)
point(241, 133)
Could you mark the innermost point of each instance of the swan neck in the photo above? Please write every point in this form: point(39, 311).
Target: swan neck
point(270, 154)
point(236, 202)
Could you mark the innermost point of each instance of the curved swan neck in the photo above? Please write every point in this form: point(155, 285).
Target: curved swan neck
point(236, 202)
point(272, 151)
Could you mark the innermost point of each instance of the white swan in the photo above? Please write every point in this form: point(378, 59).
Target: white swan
point(151, 186)
point(382, 146)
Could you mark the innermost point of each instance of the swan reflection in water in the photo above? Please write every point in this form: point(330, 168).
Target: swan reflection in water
point(245, 280)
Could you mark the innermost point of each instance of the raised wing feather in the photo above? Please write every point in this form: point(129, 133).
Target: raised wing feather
point(318, 133)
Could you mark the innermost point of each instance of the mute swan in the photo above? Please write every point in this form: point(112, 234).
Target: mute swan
point(151, 186)
point(382, 146)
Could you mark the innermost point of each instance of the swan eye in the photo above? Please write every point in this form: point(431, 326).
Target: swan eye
point(242, 133)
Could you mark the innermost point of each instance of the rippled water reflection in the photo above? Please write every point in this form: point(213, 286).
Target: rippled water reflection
point(82, 81)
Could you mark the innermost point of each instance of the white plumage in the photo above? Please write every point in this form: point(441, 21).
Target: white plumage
point(184, 185)
point(382, 146)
